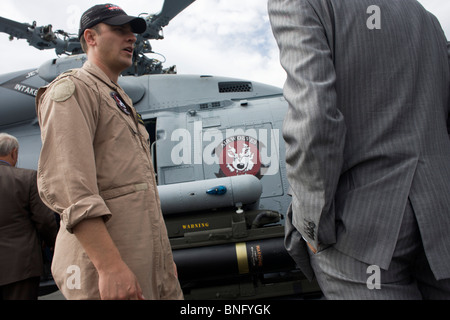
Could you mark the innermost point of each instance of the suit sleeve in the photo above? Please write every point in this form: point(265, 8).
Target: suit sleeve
point(41, 215)
point(67, 175)
point(314, 129)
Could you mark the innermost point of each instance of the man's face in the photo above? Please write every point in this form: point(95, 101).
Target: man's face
point(114, 46)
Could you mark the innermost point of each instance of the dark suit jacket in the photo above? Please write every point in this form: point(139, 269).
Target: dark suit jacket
point(368, 92)
point(22, 216)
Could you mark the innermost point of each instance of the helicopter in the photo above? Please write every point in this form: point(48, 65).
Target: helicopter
point(217, 152)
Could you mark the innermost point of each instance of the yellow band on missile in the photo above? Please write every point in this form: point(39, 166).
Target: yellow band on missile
point(241, 255)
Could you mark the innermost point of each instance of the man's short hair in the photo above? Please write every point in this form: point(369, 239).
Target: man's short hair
point(7, 144)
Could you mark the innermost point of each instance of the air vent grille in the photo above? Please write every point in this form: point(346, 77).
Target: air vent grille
point(210, 105)
point(235, 86)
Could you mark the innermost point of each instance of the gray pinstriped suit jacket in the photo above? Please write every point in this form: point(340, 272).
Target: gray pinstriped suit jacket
point(367, 125)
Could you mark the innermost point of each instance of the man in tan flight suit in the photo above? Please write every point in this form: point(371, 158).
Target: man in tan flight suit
point(95, 171)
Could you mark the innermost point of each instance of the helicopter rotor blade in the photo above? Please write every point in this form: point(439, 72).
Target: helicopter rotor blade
point(41, 37)
point(15, 29)
point(170, 9)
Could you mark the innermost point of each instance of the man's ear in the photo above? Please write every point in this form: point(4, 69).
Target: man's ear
point(15, 156)
point(90, 35)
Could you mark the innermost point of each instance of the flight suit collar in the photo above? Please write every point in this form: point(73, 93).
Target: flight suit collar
point(94, 70)
point(98, 73)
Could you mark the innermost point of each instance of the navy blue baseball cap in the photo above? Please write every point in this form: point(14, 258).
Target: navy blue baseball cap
point(112, 15)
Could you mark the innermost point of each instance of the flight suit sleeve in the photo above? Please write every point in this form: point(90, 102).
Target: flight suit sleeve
point(67, 178)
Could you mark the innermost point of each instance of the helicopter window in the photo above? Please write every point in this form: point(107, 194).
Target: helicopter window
point(235, 86)
point(150, 125)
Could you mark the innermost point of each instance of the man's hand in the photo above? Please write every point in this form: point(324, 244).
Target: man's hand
point(116, 280)
point(119, 283)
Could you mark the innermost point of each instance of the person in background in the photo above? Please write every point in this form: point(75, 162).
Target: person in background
point(25, 221)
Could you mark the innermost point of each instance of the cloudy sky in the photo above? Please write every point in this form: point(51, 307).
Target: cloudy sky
point(217, 37)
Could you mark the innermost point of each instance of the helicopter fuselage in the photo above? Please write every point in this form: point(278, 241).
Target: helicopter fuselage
point(201, 127)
